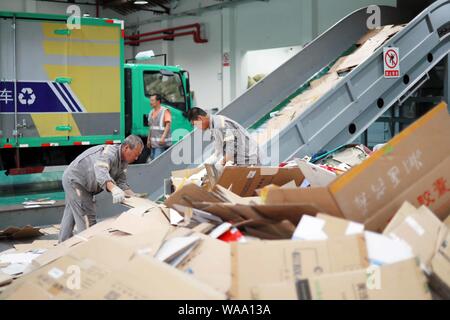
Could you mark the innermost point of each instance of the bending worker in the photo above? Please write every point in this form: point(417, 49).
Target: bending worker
point(233, 144)
point(98, 168)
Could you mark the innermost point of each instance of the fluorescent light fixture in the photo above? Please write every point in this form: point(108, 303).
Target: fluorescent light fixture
point(140, 2)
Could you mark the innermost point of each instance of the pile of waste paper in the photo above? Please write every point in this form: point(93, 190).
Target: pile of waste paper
point(349, 223)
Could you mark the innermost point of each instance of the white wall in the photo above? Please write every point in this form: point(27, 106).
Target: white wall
point(331, 11)
point(267, 60)
point(253, 25)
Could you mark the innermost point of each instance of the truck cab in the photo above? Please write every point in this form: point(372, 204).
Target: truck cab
point(144, 80)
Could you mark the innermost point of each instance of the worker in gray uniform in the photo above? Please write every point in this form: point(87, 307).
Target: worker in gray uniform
point(232, 143)
point(98, 168)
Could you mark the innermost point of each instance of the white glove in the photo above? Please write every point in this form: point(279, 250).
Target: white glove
point(117, 194)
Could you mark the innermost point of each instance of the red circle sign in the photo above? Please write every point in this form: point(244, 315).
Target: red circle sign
point(391, 59)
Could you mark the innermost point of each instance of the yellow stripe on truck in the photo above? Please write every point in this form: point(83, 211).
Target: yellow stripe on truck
point(82, 49)
point(46, 124)
point(84, 33)
point(97, 88)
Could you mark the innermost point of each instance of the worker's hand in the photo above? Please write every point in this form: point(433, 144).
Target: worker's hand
point(149, 144)
point(162, 141)
point(130, 193)
point(117, 194)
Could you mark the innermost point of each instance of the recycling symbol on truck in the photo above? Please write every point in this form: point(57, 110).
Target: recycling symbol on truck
point(27, 96)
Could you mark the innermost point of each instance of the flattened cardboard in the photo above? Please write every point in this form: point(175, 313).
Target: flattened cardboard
point(147, 278)
point(411, 165)
point(186, 173)
point(244, 181)
point(440, 265)
point(136, 202)
point(400, 281)
point(174, 247)
point(134, 224)
point(274, 212)
point(383, 250)
point(316, 176)
point(5, 279)
point(95, 259)
point(210, 262)
point(424, 233)
point(36, 244)
point(324, 227)
point(405, 210)
point(188, 194)
point(20, 233)
point(273, 231)
point(204, 228)
point(264, 262)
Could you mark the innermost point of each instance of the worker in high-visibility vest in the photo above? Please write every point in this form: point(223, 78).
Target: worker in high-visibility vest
point(159, 132)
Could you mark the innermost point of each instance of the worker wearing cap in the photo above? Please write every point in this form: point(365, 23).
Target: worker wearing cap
point(159, 121)
point(232, 143)
point(99, 168)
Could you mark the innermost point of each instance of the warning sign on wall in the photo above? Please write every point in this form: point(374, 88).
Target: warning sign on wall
point(226, 59)
point(391, 59)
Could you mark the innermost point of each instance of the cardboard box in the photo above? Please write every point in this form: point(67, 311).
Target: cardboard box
point(323, 227)
point(400, 281)
point(210, 262)
point(380, 249)
point(147, 278)
point(92, 260)
point(440, 265)
point(244, 181)
point(264, 262)
point(421, 230)
point(413, 166)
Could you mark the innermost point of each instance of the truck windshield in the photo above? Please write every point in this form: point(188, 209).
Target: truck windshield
point(169, 87)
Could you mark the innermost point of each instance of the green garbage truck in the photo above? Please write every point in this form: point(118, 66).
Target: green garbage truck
point(63, 89)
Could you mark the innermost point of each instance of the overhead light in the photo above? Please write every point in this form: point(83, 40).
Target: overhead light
point(140, 2)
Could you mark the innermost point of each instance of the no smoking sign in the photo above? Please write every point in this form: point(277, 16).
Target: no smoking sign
point(391, 60)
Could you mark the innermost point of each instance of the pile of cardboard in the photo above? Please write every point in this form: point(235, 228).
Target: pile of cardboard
point(18, 248)
point(378, 231)
point(366, 46)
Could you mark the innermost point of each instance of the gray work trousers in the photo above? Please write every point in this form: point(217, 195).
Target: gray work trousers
point(79, 210)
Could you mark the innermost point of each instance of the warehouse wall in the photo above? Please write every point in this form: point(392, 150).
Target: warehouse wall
point(253, 25)
point(250, 26)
